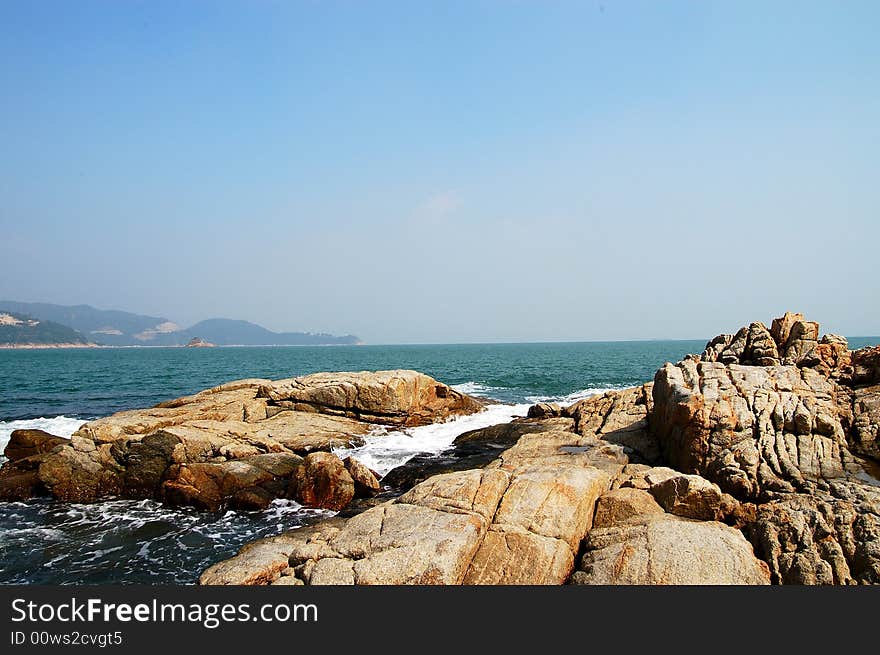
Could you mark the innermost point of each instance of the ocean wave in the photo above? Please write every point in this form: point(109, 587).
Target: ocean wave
point(138, 540)
point(60, 426)
point(384, 450)
point(477, 389)
point(574, 396)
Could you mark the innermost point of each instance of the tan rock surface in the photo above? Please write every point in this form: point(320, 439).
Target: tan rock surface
point(619, 417)
point(400, 397)
point(661, 549)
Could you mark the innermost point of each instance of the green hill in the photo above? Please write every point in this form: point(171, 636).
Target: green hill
point(118, 328)
point(20, 329)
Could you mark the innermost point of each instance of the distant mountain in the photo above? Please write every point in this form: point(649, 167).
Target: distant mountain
point(117, 328)
point(229, 332)
point(107, 327)
point(21, 330)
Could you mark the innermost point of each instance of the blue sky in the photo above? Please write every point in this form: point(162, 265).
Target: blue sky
point(445, 172)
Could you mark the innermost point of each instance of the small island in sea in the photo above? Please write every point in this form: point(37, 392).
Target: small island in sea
point(23, 331)
point(198, 342)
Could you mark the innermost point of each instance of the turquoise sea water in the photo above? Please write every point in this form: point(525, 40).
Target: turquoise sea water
point(43, 541)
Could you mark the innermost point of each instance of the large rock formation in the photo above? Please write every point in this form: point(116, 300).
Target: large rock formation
point(239, 444)
point(519, 520)
point(764, 433)
point(787, 437)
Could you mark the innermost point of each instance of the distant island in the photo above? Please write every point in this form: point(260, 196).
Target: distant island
point(46, 325)
point(23, 331)
point(196, 342)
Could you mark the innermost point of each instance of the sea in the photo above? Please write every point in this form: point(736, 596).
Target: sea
point(43, 541)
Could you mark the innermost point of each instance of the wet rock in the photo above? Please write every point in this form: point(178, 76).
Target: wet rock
point(544, 410)
point(366, 483)
point(518, 521)
point(26, 443)
point(322, 481)
point(20, 480)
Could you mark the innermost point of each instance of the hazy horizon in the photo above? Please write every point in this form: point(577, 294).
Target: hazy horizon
point(455, 172)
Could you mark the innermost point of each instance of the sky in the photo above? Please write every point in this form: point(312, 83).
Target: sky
point(445, 172)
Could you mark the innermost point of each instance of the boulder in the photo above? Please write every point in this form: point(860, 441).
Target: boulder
point(620, 505)
point(751, 345)
point(322, 481)
point(399, 398)
point(20, 480)
point(659, 548)
point(689, 496)
point(791, 340)
point(26, 443)
point(544, 410)
point(248, 484)
point(365, 481)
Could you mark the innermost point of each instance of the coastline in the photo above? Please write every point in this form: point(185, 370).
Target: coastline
point(47, 346)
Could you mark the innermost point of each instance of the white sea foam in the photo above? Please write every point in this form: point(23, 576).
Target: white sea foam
point(386, 449)
point(60, 426)
point(573, 397)
point(476, 389)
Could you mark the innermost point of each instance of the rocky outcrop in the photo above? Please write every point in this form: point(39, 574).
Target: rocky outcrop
point(619, 417)
point(400, 398)
point(519, 520)
point(786, 440)
point(865, 432)
point(763, 436)
point(240, 444)
point(756, 431)
point(689, 496)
